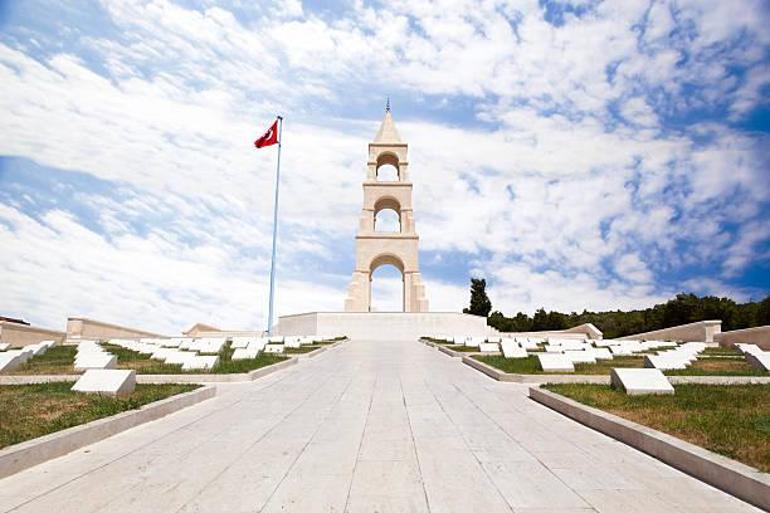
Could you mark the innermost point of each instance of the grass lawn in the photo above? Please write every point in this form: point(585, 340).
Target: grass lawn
point(463, 349)
point(57, 360)
point(531, 365)
point(437, 341)
point(732, 420)
point(143, 364)
point(30, 411)
point(722, 351)
point(702, 367)
point(304, 349)
point(719, 367)
point(61, 360)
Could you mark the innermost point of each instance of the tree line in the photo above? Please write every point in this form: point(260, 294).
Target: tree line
point(682, 309)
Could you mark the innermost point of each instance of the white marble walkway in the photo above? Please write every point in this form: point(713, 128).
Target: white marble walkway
point(369, 426)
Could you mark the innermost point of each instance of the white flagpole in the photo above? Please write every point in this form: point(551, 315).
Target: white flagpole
point(275, 228)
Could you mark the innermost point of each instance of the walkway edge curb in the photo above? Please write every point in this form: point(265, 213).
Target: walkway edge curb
point(27, 454)
point(737, 479)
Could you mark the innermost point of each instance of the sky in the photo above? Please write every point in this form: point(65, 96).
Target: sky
point(576, 154)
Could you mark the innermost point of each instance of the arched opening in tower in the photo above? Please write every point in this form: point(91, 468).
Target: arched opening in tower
point(387, 173)
point(387, 289)
point(387, 220)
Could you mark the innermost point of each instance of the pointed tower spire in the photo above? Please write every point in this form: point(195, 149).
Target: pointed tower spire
point(387, 132)
point(387, 104)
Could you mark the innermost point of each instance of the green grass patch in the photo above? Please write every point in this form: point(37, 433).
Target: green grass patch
point(732, 420)
point(61, 360)
point(722, 351)
point(303, 349)
point(463, 349)
point(31, 411)
point(718, 367)
point(702, 367)
point(57, 360)
point(437, 340)
point(531, 365)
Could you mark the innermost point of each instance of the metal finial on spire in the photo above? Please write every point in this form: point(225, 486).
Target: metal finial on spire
point(387, 104)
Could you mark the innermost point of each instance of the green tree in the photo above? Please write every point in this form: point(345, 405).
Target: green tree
point(763, 313)
point(480, 303)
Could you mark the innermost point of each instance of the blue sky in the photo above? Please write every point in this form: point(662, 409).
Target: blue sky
point(577, 154)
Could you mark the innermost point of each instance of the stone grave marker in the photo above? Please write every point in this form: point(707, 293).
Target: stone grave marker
point(555, 362)
point(640, 381)
point(512, 350)
point(114, 382)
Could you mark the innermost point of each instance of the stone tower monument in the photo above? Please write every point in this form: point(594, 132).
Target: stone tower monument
point(374, 248)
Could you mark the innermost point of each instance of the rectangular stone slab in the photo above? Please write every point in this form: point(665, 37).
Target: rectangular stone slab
point(487, 347)
point(553, 362)
point(580, 356)
point(96, 361)
point(244, 354)
point(602, 353)
point(179, 357)
point(759, 360)
point(274, 348)
point(115, 382)
point(200, 362)
point(512, 350)
point(640, 381)
point(8, 362)
point(652, 361)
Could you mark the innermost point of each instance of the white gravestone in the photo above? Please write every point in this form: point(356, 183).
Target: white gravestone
point(116, 382)
point(274, 348)
point(602, 353)
point(665, 362)
point(640, 381)
point(179, 357)
point(512, 350)
point(759, 360)
point(580, 356)
point(244, 354)
point(96, 361)
point(555, 362)
point(200, 363)
point(488, 347)
point(10, 360)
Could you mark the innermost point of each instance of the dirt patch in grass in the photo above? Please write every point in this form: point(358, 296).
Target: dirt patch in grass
point(31, 411)
point(732, 420)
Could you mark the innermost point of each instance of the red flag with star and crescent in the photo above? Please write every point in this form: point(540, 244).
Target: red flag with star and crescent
point(268, 138)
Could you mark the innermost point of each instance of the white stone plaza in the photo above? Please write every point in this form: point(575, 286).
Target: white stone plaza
point(368, 426)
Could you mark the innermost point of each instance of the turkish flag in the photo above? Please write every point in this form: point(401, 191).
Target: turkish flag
point(269, 138)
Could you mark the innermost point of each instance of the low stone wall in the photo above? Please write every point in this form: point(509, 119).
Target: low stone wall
point(577, 332)
point(382, 325)
point(759, 336)
point(19, 335)
point(80, 327)
point(701, 331)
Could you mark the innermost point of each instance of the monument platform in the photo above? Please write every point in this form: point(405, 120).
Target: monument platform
point(382, 325)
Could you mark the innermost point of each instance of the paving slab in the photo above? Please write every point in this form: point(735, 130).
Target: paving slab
point(371, 426)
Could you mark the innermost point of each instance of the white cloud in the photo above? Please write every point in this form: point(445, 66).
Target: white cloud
point(552, 192)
